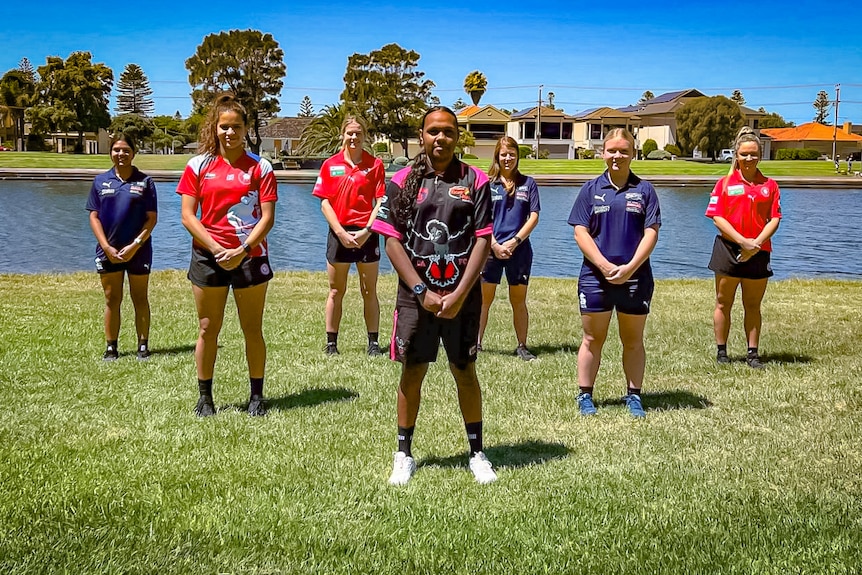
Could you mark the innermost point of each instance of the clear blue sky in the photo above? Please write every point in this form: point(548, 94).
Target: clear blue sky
point(779, 54)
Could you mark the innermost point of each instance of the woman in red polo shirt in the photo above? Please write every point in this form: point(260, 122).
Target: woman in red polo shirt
point(350, 187)
point(745, 206)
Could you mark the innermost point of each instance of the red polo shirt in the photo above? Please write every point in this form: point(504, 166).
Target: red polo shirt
point(747, 207)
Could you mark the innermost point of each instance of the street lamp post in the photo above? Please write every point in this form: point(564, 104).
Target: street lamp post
point(539, 121)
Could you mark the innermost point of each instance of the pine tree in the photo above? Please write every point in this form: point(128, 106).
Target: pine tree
point(738, 97)
point(27, 67)
point(306, 110)
point(821, 105)
point(134, 92)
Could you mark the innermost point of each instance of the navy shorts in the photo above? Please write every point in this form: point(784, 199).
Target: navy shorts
point(416, 333)
point(139, 265)
point(204, 271)
point(633, 297)
point(336, 253)
point(517, 267)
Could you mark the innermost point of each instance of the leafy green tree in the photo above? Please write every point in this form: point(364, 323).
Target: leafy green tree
point(322, 136)
point(475, 84)
point(738, 97)
point(387, 89)
point(646, 96)
point(708, 124)
point(466, 140)
point(133, 92)
point(306, 110)
point(248, 63)
point(649, 146)
point(135, 126)
point(773, 120)
point(170, 132)
point(17, 91)
point(459, 104)
point(72, 96)
point(821, 107)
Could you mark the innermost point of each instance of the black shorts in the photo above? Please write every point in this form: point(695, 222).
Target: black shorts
point(204, 271)
point(336, 253)
point(724, 261)
point(633, 297)
point(139, 265)
point(416, 332)
point(517, 267)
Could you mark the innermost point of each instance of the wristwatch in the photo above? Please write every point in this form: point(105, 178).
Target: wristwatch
point(419, 289)
point(246, 247)
point(138, 241)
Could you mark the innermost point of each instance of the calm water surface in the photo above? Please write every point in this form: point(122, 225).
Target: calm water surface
point(46, 230)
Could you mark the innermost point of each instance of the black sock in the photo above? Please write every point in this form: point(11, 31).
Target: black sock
point(256, 385)
point(722, 349)
point(331, 337)
point(586, 390)
point(752, 352)
point(205, 386)
point(634, 391)
point(112, 343)
point(474, 436)
point(372, 337)
point(405, 439)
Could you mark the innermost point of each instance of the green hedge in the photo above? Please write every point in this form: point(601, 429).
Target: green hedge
point(524, 151)
point(673, 149)
point(649, 146)
point(797, 154)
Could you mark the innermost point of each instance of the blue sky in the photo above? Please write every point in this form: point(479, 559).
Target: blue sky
point(779, 54)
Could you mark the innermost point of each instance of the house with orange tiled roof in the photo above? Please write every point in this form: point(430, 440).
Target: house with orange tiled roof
point(815, 136)
point(486, 123)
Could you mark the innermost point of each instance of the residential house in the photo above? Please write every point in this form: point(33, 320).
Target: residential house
point(487, 124)
point(591, 126)
point(815, 136)
point(554, 136)
point(281, 135)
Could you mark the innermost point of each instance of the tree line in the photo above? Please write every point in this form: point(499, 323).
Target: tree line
point(385, 86)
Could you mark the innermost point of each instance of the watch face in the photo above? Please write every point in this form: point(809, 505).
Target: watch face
point(419, 289)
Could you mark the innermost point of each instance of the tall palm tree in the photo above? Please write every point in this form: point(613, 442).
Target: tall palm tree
point(322, 136)
point(17, 91)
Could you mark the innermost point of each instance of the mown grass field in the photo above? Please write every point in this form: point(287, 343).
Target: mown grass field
point(105, 469)
point(643, 167)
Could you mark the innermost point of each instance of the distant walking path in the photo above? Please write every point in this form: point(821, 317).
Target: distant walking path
point(310, 176)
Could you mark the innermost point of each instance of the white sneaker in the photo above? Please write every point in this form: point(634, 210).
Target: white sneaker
point(402, 469)
point(481, 468)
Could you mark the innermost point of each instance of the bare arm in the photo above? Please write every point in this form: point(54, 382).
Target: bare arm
point(401, 262)
point(99, 232)
point(345, 237)
point(591, 251)
point(511, 244)
point(130, 250)
point(231, 258)
point(189, 211)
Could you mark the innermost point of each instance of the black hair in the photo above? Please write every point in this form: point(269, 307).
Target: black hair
point(404, 200)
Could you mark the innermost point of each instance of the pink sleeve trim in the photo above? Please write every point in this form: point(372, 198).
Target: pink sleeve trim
point(486, 231)
point(385, 229)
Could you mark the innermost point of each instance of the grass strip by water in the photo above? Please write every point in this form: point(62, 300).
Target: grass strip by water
point(772, 168)
point(105, 469)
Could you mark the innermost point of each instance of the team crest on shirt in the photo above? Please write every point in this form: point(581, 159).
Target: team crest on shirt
point(461, 193)
point(137, 189)
point(765, 191)
point(245, 178)
point(440, 268)
point(421, 195)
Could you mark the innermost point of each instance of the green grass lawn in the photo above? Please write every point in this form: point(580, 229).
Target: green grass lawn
point(105, 469)
point(643, 167)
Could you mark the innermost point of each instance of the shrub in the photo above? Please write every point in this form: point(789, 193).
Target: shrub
point(469, 157)
point(36, 143)
point(649, 146)
point(584, 154)
point(524, 151)
point(673, 149)
point(544, 154)
point(380, 147)
point(797, 154)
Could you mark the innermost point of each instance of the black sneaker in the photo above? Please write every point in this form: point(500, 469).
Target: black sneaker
point(256, 406)
point(143, 353)
point(721, 357)
point(205, 406)
point(754, 362)
point(111, 354)
point(331, 349)
point(374, 349)
point(524, 353)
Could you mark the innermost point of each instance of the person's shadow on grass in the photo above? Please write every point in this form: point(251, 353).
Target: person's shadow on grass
point(312, 397)
point(509, 455)
point(664, 400)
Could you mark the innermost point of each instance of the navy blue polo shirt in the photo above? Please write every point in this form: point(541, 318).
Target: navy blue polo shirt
point(122, 206)
point(616, 219)
point(511, 211)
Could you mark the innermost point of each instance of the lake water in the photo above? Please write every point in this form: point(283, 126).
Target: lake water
point(46, 230)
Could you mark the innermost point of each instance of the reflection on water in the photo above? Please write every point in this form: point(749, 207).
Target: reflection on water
point(46, 230)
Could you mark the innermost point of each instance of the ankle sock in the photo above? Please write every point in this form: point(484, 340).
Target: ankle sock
point(474, 436)
point(405, 439)
point(205, 386)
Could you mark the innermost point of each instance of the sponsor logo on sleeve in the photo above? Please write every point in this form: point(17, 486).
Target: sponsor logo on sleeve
point(713, 200)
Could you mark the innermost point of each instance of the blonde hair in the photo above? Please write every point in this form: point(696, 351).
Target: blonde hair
point(619, 133)
point(494, 169)
point(745, 134)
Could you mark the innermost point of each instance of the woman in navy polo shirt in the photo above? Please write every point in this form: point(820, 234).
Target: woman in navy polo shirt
point(123, 212)
point(616, 219)
point(515, 208)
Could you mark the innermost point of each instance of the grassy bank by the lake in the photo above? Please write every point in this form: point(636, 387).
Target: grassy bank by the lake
point(105, 469)
point(813, 168)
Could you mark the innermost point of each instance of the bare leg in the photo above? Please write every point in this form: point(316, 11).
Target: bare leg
point(489, 290)
point(469, 392)
point(210, 302)
point(368, 287)
point(249, 305)
point(634, 355)
point(138, 288)
point(752, 294)
point(337, 286)
point(520, 315)
point(410, 393)
point(112, 285)
point(595, 326)
point(725, 292)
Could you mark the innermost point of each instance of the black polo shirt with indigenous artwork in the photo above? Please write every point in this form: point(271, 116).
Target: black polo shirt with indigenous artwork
point(452, 210)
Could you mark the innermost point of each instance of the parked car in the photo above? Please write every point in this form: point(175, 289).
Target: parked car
point(5, 149)
point(726, 155)
point(659, 155)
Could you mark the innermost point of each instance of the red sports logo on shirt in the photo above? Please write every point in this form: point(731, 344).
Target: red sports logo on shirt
point(461, 193)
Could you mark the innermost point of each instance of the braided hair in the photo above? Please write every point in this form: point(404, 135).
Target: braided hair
point(404, 200)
